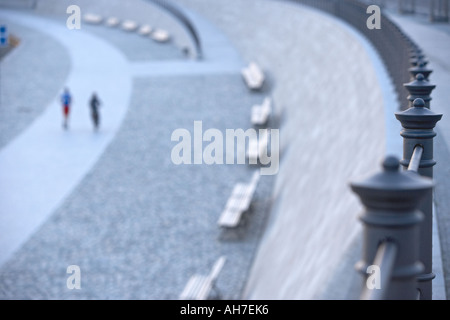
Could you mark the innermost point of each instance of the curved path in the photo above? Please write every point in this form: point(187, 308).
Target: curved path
point(333, 97)
point(113, 200)
point(139, 226)
point(42, 165)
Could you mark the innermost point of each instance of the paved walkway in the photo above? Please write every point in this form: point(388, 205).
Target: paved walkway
point(48, 175)
point(43, 165)
point(134, 208)
point(25, 101)
point(139, 226)
point(298, 66)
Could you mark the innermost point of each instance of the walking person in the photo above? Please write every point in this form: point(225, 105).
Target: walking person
point(66, 100)
point(95, 104)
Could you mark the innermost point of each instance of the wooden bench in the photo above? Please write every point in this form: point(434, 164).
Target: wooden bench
point(199, 286)
point(160, 35)
point(145, 30)
point(257, 146)
point(92, 18)
point(238, 203)
point(112, 22)
point(129, 25)
point(253, 76)
point(261, 113)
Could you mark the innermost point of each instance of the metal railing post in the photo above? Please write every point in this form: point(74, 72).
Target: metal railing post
point(420, 68)
point(418, 57)
point(419, 88)
point(418, 123)
point(391, 217)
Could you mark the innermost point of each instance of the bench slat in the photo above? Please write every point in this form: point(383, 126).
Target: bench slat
point(217, 268)
point(191, 287)
point(230, 219)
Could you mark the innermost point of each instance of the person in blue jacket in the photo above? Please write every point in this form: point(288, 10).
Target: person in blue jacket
point(66, 100)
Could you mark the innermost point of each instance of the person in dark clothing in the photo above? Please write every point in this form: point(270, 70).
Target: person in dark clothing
point(95, 104)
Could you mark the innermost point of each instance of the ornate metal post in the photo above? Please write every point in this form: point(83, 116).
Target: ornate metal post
point(418, 123)
point(417, 58)
point(391, 220)
point(419, 88)
point(422, 69)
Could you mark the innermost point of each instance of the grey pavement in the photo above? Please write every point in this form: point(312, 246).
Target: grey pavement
point(43, 164)
point(138, 226)
point(310, 52)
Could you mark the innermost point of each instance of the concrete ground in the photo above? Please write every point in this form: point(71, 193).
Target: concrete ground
point(115, 204)
point(138, 225)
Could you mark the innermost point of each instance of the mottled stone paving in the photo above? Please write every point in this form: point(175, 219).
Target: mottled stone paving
point(139, 226)
point(24, 91)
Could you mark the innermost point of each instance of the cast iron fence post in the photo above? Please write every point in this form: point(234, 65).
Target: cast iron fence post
point(422, 69)
point(419, 88)
point(391, 218)
point(418, 123)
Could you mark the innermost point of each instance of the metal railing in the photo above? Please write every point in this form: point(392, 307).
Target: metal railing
point(391, 43)
point(384, 260)
point(435, 10)
point(398, 203)
point(398, 213)
point(415, 159)
point(186, 21)
point(440, 10)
